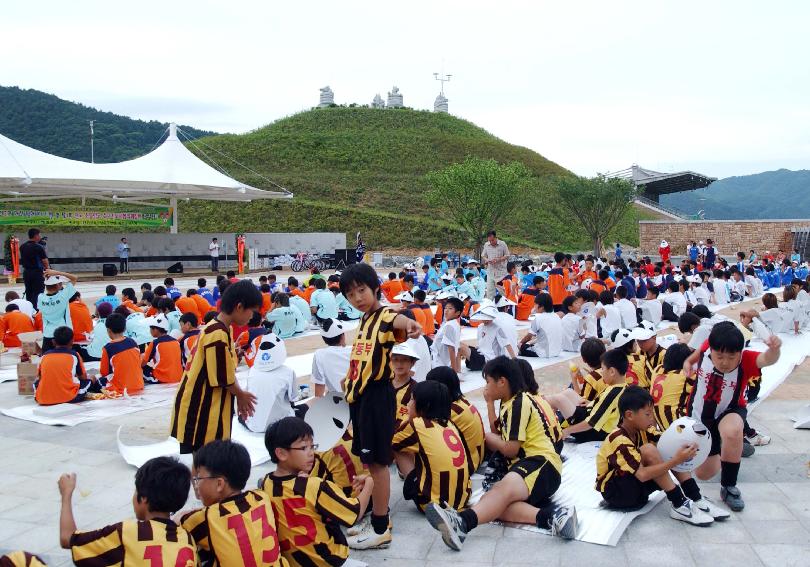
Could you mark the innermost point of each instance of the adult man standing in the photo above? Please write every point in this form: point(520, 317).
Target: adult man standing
point(123, 256)
point(494, 255)
point(213, 249)
point(34, 261)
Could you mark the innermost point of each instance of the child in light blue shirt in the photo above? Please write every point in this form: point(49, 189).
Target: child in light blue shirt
point(322, 303)
point(53, 304)
point(286, 320)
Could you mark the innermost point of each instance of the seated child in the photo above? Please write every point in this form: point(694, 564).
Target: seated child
point(494, 339)
point(249, 339)
point(650, 356)
point(524, 494)
point(161, 489)
point(12, 324)
point(330, 364)
point(130, 300)
point(435, 465)
point(161, 360)
point(403, 359)
point(110, 297)
point(629, 467)
point(185, 304)
point(596, 420)
point(100, 336)
point(120, 367)
point(23, 304)
point(80, 319)
point(322, 304)
point(203, 306)
point(670, 387)
point(171, 290)
point(626, 308)
point(167, 308)
point(463, 415)
point(189, 325)
point(234, 527)
point(285, 320)
point(612, 318)
point(273, 383)
point(573, 325)
point(545, 329)
point(447, 340)
point(346, 311)
point(589, 385)
point(651, 308)
point(723, 369)
point(308, 500)
point(61, 375)
point(340, 466)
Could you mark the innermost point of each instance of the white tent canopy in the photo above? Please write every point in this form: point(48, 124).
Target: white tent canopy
point(170, 171)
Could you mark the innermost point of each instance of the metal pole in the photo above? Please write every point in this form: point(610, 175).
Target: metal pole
point(92, 151)
point(173, 205)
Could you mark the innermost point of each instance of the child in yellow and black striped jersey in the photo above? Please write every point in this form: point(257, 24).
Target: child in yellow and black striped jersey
point(338, 464)
point(593, 422)
point(235, 527)
point(589, 384)
point(671, 388)
point(552, 423)
point(161, 488)
point(439, 471)
point(629, 467)
point(309, 510)
point(463, 415)
point(403, 358)
point(524, 494)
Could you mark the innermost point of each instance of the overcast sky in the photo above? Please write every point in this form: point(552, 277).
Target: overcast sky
point(719, 87)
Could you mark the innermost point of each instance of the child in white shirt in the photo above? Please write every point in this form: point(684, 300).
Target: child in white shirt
point(272, 383)
point(612, 318)
point(626, 308)
point(573, 326)
point(447, 340)
point(546, 330)
point(331, 364)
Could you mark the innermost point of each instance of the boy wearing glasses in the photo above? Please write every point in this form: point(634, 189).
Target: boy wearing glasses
point(235, 527)
point(309, 510)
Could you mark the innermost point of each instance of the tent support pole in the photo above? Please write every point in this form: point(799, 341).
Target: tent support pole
point(173, 204)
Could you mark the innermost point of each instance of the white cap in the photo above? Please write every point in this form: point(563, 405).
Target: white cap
point(472, 261)
point(447, 277)
point(694, 279)
point(405, 349)
point(623, 336)
point(446, 294)
point(404, 296)
point(271, 353)
point(486, 313)
point(55, 280)
point(332, 328)
point(504, 302)
point(463, 296)
point(159, 321)
point(644, 331)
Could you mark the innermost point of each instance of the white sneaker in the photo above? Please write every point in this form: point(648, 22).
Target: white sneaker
point(690, 514)
point(564, 523)
point(712, 509)
point(365, 524)
point(369, 539)
point(759, 439)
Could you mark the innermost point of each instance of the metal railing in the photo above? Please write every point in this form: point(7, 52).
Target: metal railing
point(661, 208)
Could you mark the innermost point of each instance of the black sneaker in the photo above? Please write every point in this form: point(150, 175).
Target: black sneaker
point(748, 449)
point(449, 523)
point(732, 497)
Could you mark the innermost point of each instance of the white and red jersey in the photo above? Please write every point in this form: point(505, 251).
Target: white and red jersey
point(715, 392)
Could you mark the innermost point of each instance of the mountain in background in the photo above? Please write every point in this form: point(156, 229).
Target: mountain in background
point(47, 123)
point(351, 169)
point(781, 194)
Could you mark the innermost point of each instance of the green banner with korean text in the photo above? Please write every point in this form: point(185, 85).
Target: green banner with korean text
point(55, 216)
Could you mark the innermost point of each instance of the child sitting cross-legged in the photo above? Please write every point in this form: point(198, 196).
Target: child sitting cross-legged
point(524, 494)
point(310, 510)
point(629, 467)
point(120, 366)
point(593, 422)
point(61, 374)
point(161, 488)
point(430, 450)
point(234, 527)
point(590, 384)
point(162, 362)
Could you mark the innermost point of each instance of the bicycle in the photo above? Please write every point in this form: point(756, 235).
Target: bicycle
point(304, 261)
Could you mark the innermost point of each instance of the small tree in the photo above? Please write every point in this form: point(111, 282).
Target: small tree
point(597, 203)
point(477, 193)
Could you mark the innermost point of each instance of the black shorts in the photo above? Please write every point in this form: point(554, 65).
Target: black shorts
point(541, 478)
point(580, 414)
point(410, 491)
point(372, 416)
point(626, 492)
point(714, 430)
point(476, 360)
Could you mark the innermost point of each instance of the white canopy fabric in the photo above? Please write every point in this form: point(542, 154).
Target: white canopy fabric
point(170, 171)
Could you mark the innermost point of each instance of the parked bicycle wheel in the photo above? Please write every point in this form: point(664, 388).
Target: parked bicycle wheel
point(297, 265)
point(321, 265)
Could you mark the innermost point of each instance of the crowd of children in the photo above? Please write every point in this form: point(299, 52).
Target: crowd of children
point(401, 379)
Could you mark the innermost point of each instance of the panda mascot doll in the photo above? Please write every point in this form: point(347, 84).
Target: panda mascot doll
point(272, 383)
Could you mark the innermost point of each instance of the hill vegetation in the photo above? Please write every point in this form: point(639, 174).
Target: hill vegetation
point(781, 194)
point(50, 124)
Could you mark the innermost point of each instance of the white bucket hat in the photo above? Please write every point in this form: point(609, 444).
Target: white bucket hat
point(160, 321)
point(644, 331)
point(504, 302)
point(55, 280)
point(404, 296)
point(446, 294)
point(332, 328)
point(623, 336)
point(405, 349)
point(486, 313)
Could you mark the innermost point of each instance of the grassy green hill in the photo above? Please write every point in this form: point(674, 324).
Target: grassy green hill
point(362, 169)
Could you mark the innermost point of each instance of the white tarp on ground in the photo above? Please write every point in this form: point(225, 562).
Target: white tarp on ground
point(171, 170)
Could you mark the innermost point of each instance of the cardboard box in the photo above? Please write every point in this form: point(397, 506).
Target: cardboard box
point(26, 376)
point(31, 342)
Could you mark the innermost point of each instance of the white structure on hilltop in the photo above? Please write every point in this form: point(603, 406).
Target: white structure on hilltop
point(395, 99)
point(327, 97)
point(440, 104)
point(377, 102)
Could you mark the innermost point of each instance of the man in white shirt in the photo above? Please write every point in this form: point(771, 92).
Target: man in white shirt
point(213, 250)
point(494, 254)
point(331, 364)
point(272, 383)
point(447, 340)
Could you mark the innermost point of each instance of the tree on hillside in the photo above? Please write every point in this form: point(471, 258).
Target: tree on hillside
point(477, 193)
point(597, 203)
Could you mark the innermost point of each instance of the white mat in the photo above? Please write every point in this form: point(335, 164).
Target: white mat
point(802, 418)
point(795, 349)
point(153, 396)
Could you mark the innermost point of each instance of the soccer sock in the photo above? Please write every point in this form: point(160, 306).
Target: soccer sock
point(379, 523)
point(691, 490)
point(676, 497)
point(469, 518)
point(544, 516)
point(728, 473)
